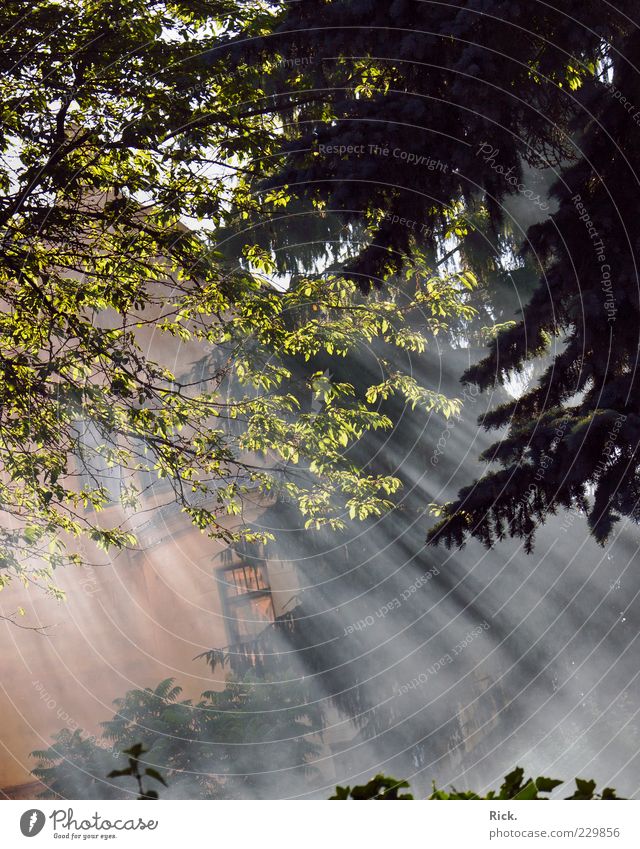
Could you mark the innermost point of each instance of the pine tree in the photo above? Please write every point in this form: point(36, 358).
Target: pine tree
point(391, 112)
point(406, 122)
point(573, 438)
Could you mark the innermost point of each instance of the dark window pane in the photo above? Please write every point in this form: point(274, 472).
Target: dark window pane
point(243, 579)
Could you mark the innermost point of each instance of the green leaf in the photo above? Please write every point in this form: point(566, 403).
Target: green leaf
point(153, 773)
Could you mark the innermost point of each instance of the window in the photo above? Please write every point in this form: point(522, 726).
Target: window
point(244, 578)
point(247, 600)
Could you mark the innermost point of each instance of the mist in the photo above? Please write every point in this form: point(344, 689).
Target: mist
point(458, 665)
point(425, 664)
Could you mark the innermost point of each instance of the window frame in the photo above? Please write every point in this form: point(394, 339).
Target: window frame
point(234, 602)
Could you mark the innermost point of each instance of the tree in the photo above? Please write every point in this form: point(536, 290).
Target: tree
point(573, 438)
point(388, 113)
point(123, 140)
point(233, 743)
point(407, 127)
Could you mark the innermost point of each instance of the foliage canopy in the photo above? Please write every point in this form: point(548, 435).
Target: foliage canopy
point(123, 142)
point(436, 114)
point(228, 744)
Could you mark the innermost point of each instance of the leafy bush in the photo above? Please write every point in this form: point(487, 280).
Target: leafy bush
point(228, 744)
point(514, 786)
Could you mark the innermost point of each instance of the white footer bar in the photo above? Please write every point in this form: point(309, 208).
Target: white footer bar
point(320, 825)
